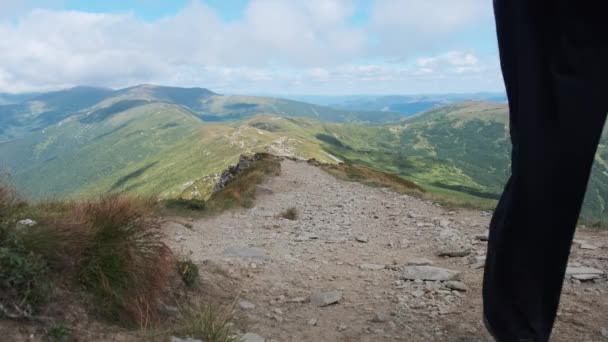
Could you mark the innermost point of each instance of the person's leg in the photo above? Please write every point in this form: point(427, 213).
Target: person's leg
point(556, 121)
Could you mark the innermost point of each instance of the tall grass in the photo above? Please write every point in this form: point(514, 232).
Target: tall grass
point(111, 248)
point(123, 264)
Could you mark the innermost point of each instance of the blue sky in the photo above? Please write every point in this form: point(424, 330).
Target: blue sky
point(251, 46)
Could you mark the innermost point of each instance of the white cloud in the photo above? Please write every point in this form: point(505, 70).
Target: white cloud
point(278, 46)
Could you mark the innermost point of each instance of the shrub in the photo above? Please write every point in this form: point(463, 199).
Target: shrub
point(188, 271)
point(59, 333)
point(290, 214)
point(123, 264)
point(9, 202)
point(208, 323)
point(24, 281)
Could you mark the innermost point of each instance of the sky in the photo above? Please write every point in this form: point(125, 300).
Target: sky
point(314, 47)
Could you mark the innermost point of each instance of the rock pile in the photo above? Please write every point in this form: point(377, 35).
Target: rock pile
point(232, 171)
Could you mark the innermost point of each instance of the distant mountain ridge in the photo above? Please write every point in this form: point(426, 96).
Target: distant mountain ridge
point(173, 142)
point(42, 110)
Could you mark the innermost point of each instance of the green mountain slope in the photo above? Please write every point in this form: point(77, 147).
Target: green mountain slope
point(44, 110)
point(147, 140)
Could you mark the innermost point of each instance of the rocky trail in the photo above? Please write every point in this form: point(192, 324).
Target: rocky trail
point(366, 264)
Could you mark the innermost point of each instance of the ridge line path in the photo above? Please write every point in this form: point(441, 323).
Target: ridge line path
point(350, 244)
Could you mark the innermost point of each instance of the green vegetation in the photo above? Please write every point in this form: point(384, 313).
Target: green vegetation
point(59, 333)
point(369, 176)
point(188, 271)
point(24, 277)
point(106, 247)
point(205, 322)
point(173, 143)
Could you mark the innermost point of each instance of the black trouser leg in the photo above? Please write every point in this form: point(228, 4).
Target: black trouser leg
point(557, 113)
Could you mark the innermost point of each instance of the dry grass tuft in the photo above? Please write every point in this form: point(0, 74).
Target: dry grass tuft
point(206, 322)
point(369, 176)
point(290, 214)
point(112, 248)
point(123, 264)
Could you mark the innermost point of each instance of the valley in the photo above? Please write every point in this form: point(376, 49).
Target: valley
point(173, 143)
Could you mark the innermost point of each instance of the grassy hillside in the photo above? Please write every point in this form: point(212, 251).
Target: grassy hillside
point(136, 142)
point(18, 120)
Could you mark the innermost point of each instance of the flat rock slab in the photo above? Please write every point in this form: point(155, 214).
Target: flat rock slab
point(373, 267)
point(251, 337)
point(419, 262)
point(188, 339)
point(325, 298)
point(431, 273)
point(246, 252)
point(583, 244)
point(456, 285)
point(362, 239)
point(454, 252)
point(574, 270)
point(584, 277)
point(584, 273)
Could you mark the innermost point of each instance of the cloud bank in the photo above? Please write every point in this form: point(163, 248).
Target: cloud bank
point(280, 46)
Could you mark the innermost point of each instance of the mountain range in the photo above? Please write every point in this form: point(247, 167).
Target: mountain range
point(174, 142)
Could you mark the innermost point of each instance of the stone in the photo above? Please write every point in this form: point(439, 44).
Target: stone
point(246, 252)
point(26, 223)
point(418, 293)
point(251, 337)
point(456, 285)
point(444, 223)
point(188, 339)
point(483, 237)
point(583, 244)
point(373, 267)
point(454, 252)
point(362, 239)
point(298, 300)
point(312, 322)
point(342, 327)
point(428, 273)
point(168, 309)
point(325, 298)
point(587, 246)
point(232, 171)
point(448, 233)
point(604, 332)
point(585, 277)
point(478, 261)
point(419, 262)
point(578, 270)
point(246, 305)
point(380, 317)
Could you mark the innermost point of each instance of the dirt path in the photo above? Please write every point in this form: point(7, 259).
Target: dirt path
point(278, 264)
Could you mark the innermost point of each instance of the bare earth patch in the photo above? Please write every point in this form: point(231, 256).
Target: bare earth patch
point(348, 250)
